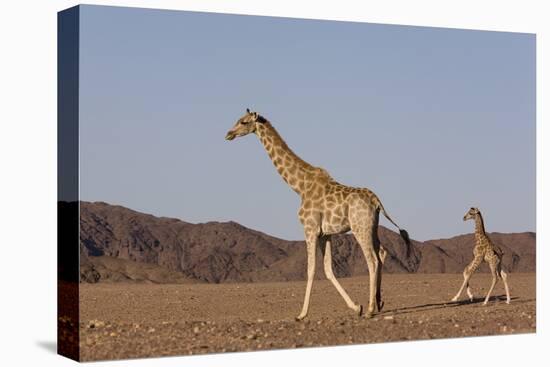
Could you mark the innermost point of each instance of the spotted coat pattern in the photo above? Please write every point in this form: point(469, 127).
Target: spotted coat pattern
point(484, 250)
point(327, 208)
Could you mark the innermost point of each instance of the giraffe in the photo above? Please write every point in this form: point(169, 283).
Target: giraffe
point(327, 208)
point(484, 250)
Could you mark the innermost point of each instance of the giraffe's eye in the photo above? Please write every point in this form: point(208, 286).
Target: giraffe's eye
point(244, 122)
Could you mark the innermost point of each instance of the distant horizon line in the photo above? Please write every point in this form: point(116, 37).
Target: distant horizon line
point(275, 236)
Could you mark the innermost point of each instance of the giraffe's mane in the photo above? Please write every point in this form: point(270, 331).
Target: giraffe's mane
point(319, 172)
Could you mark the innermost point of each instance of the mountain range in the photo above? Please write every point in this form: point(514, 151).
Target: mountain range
point(119, 244)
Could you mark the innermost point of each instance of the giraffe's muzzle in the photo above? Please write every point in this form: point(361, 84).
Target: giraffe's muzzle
point(230, 135)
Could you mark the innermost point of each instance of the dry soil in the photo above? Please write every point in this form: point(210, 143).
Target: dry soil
point(146, 320)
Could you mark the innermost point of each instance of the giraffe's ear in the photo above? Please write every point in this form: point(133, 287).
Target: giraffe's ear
point(258, 118)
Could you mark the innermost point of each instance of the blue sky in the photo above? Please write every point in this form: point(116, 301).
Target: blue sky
point(433, 120)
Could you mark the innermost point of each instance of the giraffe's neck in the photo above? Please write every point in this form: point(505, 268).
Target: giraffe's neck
point(480, 227)
point(294, 171)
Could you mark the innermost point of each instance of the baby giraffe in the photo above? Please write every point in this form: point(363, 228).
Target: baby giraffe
point(484, 250)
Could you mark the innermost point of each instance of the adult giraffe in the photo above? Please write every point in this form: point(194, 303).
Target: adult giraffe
point(327, 208)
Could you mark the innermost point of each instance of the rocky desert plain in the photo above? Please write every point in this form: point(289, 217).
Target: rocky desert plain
point(153, 286)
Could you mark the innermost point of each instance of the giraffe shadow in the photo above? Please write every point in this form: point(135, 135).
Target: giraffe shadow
point(441, 305)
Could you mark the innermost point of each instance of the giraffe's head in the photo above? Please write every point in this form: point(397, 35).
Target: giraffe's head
point(471, 213)
point(245, 125)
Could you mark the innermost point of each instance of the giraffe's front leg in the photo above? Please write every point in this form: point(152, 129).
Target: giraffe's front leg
point(470, 269)
point(311, 242)
point(325, 246)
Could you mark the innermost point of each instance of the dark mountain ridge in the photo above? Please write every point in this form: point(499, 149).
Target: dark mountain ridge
point(176, 251)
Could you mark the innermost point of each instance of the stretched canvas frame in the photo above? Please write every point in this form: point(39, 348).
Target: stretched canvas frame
point(70, 324)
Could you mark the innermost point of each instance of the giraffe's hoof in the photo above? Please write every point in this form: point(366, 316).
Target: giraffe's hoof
point(380, 306)
point(299, 318)
point(361, 310)
point(369, 315)
point(454, 299)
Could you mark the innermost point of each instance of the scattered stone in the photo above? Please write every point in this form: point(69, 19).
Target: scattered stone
point(185, 333)
point(95, 324)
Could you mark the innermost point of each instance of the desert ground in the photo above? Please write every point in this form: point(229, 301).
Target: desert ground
point(122, 320)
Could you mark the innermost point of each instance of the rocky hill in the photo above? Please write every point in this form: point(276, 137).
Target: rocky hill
point(119, 244)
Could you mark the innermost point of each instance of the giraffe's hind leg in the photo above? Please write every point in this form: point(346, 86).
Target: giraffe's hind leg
point(327, 251)
point(381, 253)
point(469, 291)
point(363, 226)
point(493, 266)
point(504, 277)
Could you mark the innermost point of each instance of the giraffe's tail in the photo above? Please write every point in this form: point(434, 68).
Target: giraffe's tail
point(404, 234)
